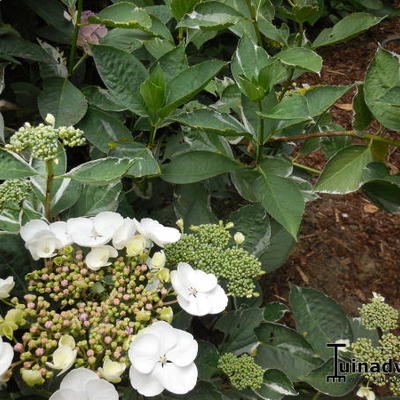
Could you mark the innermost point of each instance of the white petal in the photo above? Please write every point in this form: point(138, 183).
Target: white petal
point(125, 232)
point(178, 380)
point(218, 300)
point(29, 230)
point(6, 356)
point(159, 234)
point(165, 333)
point(107, 222)
point(146, 384)
point(81, 232)
point(43, 245)
point(77, 379)
point(66, 394)
point(60, 231)
point(99, 389)
point(204, 282)
point(199, 305)
point(185, 351)
point(6, 285)
point(98, 257)
point(144, 352)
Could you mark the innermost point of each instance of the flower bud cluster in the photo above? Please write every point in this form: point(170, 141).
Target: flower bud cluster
point(14, 191)
point(101, 310)
point(242, 371)
point(43, 140)
point(209, 248)
point(378, 314)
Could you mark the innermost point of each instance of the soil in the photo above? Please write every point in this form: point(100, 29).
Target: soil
point(347, 248)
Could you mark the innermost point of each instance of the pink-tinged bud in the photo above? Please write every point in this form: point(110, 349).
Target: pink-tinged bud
point(56, 289)
point(99, 309)
point(66, 322)
point(144, 268)
point(45, 277)
point(129, 330)
point(27, 364)
point(116, 302)
point(48, 290)
point(83, 271)
point(90, 353)
point(126, 297)
point(120, 289)
point(19, 347)
point(65, 269)
point(164, 292)
point(83, 317)
point(148, 306)
point(64, 283)
point(79, 256)
point(58, 270)
point(31, 306)
point(117, 354)
point(39, 352)
point(49, 263)
point(48, 324)
point(138, 289)
point(66, 292)
point(33, 329)
point(107, 340)
point(43, 371)
point(126, 270)
point(86, 324)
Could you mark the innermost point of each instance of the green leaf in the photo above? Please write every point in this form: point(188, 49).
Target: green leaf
point(123, 74)
point(360, 331)
point(301, 57)
point(174, 62)
point(386, 195)
point(12, 166)
point(346, 28)
point(282, 198)
point(192, 204)
point(10, 221)
point(362, 116)
point(95, 199)
point(145, 165)
point(152, 91)
point(270, 31)
point(317, 379)
point(344, 171)
point(158, 47)
point(253, 222)
point(244, 182)
point(101, 98)
point(127, 40)
point(382, 88)
point(210, 15)
point(181, 7)
point(213, 121)
point(14, 46)
point(195, 166)
point(66, 196)
point(101, 171)
point(189, 82)
point(273, 312)
point(279, 247)
point(319, 319)
point(122, 15)
point(103, 130)
point(284, 349)
point(238, 327)
point(63, 100)
point(207, 360)
point(276, 385)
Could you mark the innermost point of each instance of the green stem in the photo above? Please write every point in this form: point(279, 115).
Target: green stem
point(316, 395)
point(287, 85)
point(153, 135)
point(306, 168)
point(75, 35)
point(260, 138)
point(80, 61)
point(49, 186)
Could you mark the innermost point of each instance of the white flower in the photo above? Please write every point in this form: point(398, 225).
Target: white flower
point(65, 355)
point(98, 257)
point(59, 229)
point(198, 293)
point(365, 391)
point(239, 238)
point(112, 370)
point(6, 356)
point(83, 384)
point(96, 231)
point(162, 357)
point(378, 296)
point(157, 233)
point(125, 232)
point(158, 260)
point(6, 285)
point(136, 245)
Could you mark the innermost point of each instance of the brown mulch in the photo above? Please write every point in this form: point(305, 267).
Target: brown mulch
point(347, 247)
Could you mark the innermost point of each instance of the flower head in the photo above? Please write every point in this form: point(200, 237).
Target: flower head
point(157, 233)
point(6, 285)
point(91, 33)
point(112, 370)
point(98, 257)
point(162, 357)
point(83, 384)
point(198, 293)
point(6, 356)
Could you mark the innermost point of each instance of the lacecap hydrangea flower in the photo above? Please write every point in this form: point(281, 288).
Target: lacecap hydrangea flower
point(162, 357)
point(84, 384)
point(6, 285)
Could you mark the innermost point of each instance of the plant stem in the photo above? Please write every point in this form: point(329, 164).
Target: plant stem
point(80, 61)
point(254, 18)
point(287, 85)
point(316, 395)
point(169, 303)
point(153, 135)
point(260, 138)
point(49, 186)
point(337, 133)
point(306, 168)
point(75, 35)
